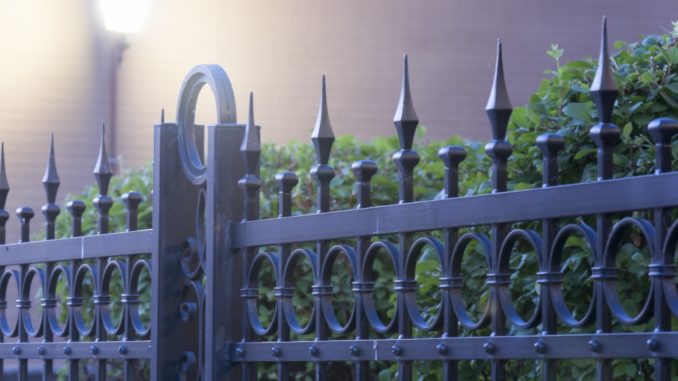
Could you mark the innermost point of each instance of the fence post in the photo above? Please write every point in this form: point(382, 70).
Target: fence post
point(175, 200)
point(224, 271)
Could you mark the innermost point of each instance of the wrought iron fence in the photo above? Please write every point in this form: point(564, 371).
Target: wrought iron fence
point(209, 249)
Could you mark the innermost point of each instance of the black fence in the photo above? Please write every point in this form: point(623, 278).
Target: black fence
point(211, 255)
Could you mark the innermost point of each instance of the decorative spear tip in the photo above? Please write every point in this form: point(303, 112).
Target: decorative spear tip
point(604, 79)
point(251, 114)
point(4, 184)
point(405, 111)
point(102, 166)
point(499, 99)
point(50, 180)
point(250, 142)
point(323, 127)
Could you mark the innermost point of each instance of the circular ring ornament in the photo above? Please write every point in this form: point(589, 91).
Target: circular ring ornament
point(216, 78)
point(326, 278)
point(289, 282)
point(413, 256)
point(63, 272)
point(554, 266)
point(32, 330)
point(457, 280)
point(368, 278)
point(111, 268)
point(83, 272)
point(132, 300)
point(7, 276)
point(668, 280)
point(505, 299)
point(610, 283)
point(253, 284)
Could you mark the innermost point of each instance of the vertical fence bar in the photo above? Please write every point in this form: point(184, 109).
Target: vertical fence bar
point(76, 208)
point(451, 156)
point(406, 122)
point(286, 182)
point(23, 303)
point(662, 267)
point(250, 151)
point(499, 111)
point(363, 171)
point(103, 202)
point(549, 145)
point(4, 216)
point(322, 173)
point(51, 183)
point(131, 200)
point(605, 135)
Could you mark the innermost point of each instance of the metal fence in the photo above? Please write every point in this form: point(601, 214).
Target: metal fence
point(209, 249)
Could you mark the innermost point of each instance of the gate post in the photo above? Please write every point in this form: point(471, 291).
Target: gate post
point(175, 201)
point(196, 275)
point(224, 271)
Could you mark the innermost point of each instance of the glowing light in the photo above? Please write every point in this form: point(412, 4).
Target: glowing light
point(124, 16)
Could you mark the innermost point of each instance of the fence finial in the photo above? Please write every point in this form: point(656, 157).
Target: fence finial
point(251, 147)
point(103, 171)
point(323, 136)
point(51, 180)
point(405, 118)
point(498, 106)
point(604, 88)
point(162, 116)
point(499, 111)
point(4, 184)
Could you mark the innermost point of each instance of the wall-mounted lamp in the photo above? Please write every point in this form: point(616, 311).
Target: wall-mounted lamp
point(124, 16)
point(121, 17)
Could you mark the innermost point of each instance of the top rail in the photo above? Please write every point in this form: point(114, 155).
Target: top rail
point(85, 247)
point(631, 193)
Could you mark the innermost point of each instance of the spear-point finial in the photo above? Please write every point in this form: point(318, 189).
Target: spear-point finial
point(604, 87)
point(4, 184)
point(498, 106)
point(405, 118)
point(251, 147)
point(162, 116)
point(51, 180)
point(323, 136)
point(102, 170)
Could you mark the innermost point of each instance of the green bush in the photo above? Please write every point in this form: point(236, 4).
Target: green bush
point(645, 72)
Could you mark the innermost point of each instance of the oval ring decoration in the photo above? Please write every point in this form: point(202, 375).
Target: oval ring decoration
point(216, 78)
point(555, 262)
point(369, 302)
point(410, 285)
point(252, 303)
point(668, 283)
point(456, 290)
point(505, 298)
point(288, 286)
point(326, 277)
point(613, 300)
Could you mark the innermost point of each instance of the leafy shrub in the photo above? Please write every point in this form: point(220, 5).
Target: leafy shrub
point(645, 72)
